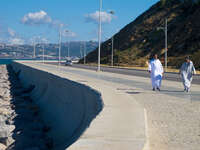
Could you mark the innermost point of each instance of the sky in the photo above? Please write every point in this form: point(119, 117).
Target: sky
point(25, 21)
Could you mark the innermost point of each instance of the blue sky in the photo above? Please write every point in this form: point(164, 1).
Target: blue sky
point(21, 20)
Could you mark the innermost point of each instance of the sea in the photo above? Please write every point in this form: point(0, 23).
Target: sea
point(5, 61)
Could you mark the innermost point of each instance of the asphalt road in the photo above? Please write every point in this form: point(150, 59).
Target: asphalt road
point(134, 72)
point(176, 90)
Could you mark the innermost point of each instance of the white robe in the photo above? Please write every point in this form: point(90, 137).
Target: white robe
point(187, 70)
point(156, 69)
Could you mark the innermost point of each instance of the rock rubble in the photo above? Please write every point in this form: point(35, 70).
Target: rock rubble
point(21, 126)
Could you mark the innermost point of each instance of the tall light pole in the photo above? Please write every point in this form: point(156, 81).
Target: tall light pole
point(112, 13)
point(67, 31)
point(68, 48)
point(166, 49)
point(43, 53)
point(36, 40)
point(112, 51)
point(81, 49)
point(99, 50)
point(60, 40)
point(84, 52)
point(34, 48)
point(44, 41)
point(165, 29)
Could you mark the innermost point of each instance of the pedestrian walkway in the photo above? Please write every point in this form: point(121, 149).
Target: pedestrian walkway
point(119, 126)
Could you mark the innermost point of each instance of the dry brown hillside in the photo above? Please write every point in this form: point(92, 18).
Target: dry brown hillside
point(138, 40)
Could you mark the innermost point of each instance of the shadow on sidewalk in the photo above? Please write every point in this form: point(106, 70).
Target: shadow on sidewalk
point(133, 93)
point(170, 91)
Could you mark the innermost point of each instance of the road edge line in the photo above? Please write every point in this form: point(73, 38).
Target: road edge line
point(146, 146)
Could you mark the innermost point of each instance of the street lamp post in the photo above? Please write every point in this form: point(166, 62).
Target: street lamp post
point(112, 13)
point(36, 40)
point(165, 29)
point(34, 48)
point(43, 53)
point(112, 51)
point(99, 51)
point(84, 52)
point(60, 40)
point(68, 45)
point(166, 49)
point(68, 48)
point(80, 50)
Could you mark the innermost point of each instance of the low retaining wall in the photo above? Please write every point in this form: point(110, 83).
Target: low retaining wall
point(66, 106)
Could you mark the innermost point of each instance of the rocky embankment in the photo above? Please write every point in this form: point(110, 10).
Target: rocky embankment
point(21, 127)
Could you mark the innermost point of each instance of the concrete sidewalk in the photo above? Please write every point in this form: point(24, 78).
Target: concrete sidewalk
point(120, 125)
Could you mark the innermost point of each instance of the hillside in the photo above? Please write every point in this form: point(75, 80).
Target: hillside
point(135, 43)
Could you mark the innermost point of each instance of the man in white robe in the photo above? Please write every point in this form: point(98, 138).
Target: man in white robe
point(156, 70)
point(187, 70)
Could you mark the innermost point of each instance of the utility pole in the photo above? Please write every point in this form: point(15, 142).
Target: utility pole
point(166, 46)
point(99, 51)
point(84, 53)
point(34, 48)
point(81, 50)
point(68, 48)
point(60, 40)
point(68, 43)
point(112, 51)
point(112, 39)
point(43, 53)
point(165, 29)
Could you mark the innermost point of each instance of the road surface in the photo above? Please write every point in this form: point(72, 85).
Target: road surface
point(133, 72)
point(166, 89)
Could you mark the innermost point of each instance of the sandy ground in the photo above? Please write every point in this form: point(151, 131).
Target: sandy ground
point(21, 127)
point(173, 123)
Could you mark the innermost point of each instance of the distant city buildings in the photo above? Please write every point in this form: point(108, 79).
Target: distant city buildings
point(51, 50)
point(2, 45)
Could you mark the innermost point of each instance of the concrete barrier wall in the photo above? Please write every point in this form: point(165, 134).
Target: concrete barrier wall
point(66, 106)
